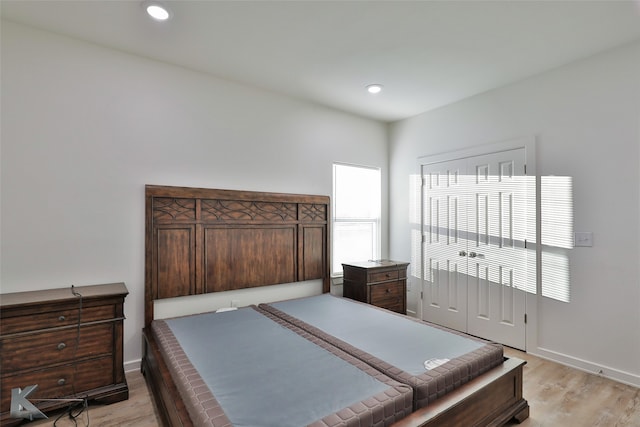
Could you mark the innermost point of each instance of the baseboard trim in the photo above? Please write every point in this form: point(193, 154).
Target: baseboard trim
point(586, 366)
point(132, 365)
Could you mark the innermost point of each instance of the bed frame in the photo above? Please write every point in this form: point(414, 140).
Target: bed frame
point(199, 241)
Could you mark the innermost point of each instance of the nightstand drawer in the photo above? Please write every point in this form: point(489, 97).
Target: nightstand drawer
point(60, 381)
point(385, 291)
point(396, 305)
point(54, 319)
point(383, 275)
point(44, 348)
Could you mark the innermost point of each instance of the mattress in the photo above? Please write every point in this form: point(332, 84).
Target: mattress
point(431, 359)
point(249, 368)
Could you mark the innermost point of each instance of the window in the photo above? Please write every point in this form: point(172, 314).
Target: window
point(356, 214)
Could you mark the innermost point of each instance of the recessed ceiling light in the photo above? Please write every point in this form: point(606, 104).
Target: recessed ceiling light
point(157, 11)
point(374, 88)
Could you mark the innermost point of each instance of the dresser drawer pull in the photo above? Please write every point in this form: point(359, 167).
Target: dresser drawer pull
point(388, 290)
point(62, 381)
point(62, 318)
point(62, 346)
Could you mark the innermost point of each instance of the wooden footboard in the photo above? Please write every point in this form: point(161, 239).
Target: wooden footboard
point(492, 399)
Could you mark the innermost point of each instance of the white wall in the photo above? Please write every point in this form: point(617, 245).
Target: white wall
point(586, 120)
point(84, 128)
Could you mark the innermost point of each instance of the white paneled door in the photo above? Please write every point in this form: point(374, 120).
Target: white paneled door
point(474, 259)
point(444, 212)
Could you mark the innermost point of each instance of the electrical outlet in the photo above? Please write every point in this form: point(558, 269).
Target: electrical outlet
point(583, 238)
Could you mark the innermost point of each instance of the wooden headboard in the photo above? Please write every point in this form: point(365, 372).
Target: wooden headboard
point(203, 240)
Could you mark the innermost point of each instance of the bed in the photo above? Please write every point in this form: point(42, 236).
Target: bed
point(201, 241)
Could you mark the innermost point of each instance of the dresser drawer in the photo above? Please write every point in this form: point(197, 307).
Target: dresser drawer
point(396, 305)
point(39, 349)
point(60, 381)
point(54, 319)
point(381, 276)
point(388, 295)
point(385, 291)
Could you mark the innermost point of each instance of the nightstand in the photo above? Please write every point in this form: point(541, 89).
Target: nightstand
point(70, 345)
point(382, 283)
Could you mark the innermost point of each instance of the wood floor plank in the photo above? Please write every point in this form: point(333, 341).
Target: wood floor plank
point(563, 396)
point(557, 395)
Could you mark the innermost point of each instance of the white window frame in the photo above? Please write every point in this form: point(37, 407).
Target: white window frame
point(375, 220)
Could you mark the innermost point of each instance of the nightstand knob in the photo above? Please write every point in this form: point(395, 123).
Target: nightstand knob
point(62, 381)
point(61, 346)
point(61, 318)
point(388, 290)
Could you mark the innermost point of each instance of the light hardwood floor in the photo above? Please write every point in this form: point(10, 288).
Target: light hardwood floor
point(557, 395)
point(562, 396)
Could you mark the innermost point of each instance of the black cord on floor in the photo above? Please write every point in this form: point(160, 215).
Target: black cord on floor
point(74, 411)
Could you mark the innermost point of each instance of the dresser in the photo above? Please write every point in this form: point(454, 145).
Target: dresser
point(68, 341)
point(382, 283)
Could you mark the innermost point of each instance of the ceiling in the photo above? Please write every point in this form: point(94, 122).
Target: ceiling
point(426, 53)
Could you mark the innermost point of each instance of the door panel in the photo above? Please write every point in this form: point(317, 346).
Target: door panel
point(497, 222)
point(444, 211)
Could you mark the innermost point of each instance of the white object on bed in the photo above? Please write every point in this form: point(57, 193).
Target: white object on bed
point(434, 363)
point(223, 309)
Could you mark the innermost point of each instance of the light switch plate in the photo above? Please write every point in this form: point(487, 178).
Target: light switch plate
point(583, 238)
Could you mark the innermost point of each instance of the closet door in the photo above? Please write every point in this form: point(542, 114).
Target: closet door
point(444, 244)
point(473, 252)
point(496, 252)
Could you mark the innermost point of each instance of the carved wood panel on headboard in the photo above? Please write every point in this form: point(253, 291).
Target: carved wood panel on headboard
point(204, 240)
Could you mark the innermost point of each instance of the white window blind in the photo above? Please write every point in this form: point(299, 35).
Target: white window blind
point(356, 214)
